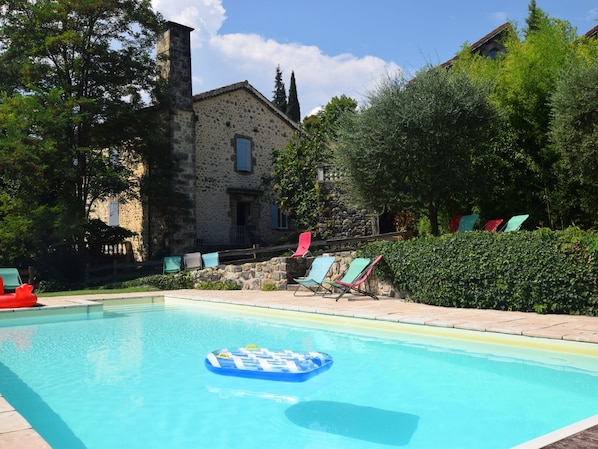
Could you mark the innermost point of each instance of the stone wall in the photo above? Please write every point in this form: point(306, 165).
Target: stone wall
point(280, 271)
point(338, 217)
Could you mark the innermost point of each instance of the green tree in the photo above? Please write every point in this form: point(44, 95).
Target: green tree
point(419, 145)
point(525, 81)
point(575, 137)
point(294, 179)
point(78, 73)
point(293, 108)
point(280, 93)
point(534, 19)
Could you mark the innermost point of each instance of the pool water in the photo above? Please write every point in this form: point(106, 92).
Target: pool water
point(136, 379)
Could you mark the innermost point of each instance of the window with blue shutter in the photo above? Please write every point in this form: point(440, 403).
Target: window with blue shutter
point(243, 149)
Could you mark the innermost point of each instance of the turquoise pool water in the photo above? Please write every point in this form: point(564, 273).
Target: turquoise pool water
point(136, 379)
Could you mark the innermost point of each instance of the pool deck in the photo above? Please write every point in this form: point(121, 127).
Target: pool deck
point(16, 433)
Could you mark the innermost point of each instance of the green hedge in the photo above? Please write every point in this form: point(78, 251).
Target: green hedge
point(182, 280)
point(542, 271)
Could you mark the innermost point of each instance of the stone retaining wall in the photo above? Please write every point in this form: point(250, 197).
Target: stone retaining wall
point(280, 272)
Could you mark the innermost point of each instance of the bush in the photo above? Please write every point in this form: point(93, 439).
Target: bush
point(542, 271)
point(218, 285)
point(175, 281)
point(269, 287)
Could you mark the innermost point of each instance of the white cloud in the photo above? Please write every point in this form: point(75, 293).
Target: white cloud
point(204, 16)
point(222, 59)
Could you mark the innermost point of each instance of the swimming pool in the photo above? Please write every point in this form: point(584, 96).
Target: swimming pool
point(135, 378)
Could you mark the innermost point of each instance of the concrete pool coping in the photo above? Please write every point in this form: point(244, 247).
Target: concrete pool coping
point(556, 330)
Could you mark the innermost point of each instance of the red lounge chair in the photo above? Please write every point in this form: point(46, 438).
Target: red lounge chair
point(356, 285)
point(492, 225)
point(454, 225)
point(303, 246)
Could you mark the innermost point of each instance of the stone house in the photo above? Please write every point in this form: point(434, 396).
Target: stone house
point(222, 142)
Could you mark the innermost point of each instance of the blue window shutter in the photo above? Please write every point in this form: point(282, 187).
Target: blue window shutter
point(273, 216)
point(243, 154)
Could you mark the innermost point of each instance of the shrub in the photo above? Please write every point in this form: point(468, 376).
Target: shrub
point(543, 271)
point(269, 287)
point(175, 281)
point(218, 285)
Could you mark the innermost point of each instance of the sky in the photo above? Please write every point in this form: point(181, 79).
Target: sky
point(341, 47)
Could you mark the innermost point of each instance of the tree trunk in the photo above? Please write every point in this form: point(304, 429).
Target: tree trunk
point(433, 216)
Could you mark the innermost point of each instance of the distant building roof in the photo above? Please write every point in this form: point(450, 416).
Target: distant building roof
point(485, 45)
point(592, 33)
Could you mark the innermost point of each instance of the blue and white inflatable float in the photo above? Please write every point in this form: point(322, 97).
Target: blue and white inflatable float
point(261, 363)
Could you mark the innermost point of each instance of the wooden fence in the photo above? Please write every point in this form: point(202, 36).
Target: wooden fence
point(124, 271)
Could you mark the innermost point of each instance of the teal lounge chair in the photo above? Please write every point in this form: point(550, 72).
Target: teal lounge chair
point(11, 278)
point(210, 260)
point(515, 223)
point(467, 222)
point(356, 286)
point(355, 268)
point(172, 264)
point(317, 272)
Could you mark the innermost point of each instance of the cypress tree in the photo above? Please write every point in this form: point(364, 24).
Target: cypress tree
point(293, 109)
point(280, 94)
point(534, 18)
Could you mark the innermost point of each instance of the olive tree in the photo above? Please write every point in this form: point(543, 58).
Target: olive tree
point(419, 145)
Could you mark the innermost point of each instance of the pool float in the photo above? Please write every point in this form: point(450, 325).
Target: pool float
point(261, 363)
point(22, 297)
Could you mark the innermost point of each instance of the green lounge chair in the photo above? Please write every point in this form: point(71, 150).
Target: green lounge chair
point(11, 278)
point(317, 272)
point(172, 264)
point(515, 223)
point(355, 268)
point(356, 286)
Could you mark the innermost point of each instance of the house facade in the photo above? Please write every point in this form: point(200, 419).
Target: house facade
point(237, 129)
point(221, 142)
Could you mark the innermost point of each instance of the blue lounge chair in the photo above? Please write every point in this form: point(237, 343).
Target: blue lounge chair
point(515, 223)
point(172, 264)
point(210, 260)
point(317, 272)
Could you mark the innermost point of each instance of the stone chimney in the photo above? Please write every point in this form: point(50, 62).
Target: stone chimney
point(174, 57)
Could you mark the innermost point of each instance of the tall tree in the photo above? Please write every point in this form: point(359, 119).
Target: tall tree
point(575, 137)
point(534, 18)
point(76, 73)
point(524, 83)
point(419, 145)
point(293, 109)
point(280, 93)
